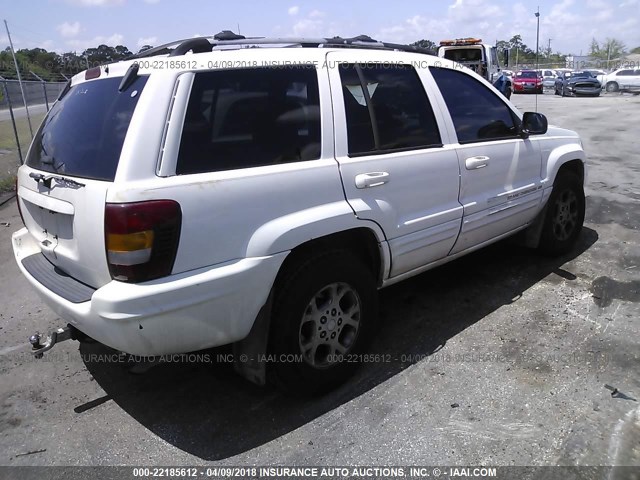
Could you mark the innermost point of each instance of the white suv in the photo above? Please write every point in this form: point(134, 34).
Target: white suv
point(207, 194)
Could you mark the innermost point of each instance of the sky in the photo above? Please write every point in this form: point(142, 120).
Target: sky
point(74, 25)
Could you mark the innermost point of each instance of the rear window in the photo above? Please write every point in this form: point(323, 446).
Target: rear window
point(526, 75)
point(463, 54)
point(83, 133)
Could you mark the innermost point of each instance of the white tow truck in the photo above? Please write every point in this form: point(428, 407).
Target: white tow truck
point(480, 57)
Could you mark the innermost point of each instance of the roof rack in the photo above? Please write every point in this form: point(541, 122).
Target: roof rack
point(226, 37)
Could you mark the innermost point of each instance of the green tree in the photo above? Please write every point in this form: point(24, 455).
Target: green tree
point(72, 63)
point(105, 54)
point(635, 50)
point(516, 42)
point(428, 44)
point(608, 50)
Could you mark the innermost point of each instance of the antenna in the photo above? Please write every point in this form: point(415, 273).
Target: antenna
point(537, 14)
point(15, 61)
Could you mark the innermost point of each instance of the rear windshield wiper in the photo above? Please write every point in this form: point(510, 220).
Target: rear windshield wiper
point(46, 180)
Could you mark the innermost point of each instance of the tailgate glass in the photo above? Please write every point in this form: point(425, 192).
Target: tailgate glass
point(83, 133)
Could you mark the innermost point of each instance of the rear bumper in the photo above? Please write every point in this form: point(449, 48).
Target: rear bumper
point(518, 87)
point(181, 313)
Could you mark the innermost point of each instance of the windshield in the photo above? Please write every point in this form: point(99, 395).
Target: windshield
point(527, 75)
point(83, 133)
point(581, 74)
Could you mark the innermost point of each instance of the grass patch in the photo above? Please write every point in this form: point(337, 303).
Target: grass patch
point(7, 137)
point(9, 158)
point(8, 184)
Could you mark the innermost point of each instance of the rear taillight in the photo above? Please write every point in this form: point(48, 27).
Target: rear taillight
point(142, 239)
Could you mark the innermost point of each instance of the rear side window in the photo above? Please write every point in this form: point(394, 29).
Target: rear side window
point(478, 114)
point(83, 133)
point(386, 109)
point(250, 117)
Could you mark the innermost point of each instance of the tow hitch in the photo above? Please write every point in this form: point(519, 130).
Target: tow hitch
point(59, 335)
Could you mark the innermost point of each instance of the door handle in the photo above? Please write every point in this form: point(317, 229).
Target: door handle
point(474, 163)
point(371, 179)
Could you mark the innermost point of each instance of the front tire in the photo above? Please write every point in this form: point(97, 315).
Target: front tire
point(324, 313)
point(564, 215)
point(612, 87)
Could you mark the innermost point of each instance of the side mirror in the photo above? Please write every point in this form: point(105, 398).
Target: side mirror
point(505, 57)
point(533, 123)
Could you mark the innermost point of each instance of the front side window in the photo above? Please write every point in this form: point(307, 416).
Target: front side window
point(250, 117)
point(478, 114)
point(386, 109)
point(494, 56)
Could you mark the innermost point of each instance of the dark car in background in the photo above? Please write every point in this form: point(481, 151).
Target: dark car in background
point(578, 83)
point(527, 81)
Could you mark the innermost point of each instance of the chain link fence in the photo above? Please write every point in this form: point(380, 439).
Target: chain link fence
point(18, 124)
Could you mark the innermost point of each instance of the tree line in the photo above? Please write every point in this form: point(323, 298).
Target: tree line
point(52, 66)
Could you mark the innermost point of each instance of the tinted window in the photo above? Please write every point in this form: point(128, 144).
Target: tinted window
point(393, 114)
point(478, 114)
point(625, 72)
point(83, 133)
point(463, 54)
point(526, 75)
point(250, 117)
point(494, 56)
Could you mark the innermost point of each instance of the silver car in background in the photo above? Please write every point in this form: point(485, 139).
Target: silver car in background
point(548, 77)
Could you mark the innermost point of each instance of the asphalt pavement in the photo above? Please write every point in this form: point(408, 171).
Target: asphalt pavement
point(499, 358)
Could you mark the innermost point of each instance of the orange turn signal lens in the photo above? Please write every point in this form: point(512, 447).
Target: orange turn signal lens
point(129, 242)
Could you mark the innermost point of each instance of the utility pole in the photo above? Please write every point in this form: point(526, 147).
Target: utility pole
point(537, 48)
point(549, 48)
point(15, 61)
point(537, 37)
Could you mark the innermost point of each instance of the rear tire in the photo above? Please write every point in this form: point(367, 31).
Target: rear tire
point(564, 216)
point(324, 314)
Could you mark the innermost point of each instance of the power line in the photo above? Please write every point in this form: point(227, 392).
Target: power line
point(31, 32)
point(24, 99)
